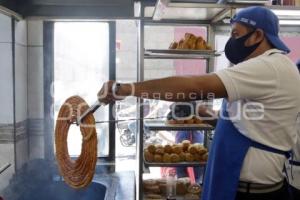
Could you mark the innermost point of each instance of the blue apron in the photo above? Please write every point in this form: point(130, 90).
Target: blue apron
point(226, 157)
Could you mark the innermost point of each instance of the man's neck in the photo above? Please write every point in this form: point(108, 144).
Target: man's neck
point(261, 49)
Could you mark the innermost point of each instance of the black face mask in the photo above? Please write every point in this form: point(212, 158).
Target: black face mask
point(236, 51)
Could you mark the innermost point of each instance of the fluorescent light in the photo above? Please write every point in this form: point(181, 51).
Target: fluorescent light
point(293, 13)
point(289, 22)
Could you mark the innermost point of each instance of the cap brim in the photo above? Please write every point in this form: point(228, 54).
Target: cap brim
point(277, 43)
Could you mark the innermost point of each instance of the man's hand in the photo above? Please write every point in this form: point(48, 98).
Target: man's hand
point(111, 92)
point(105, 95)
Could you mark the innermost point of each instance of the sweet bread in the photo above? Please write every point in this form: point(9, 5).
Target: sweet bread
point(76, 173)
point(158, 158)
point(173, 45)
point(167, 158)
point(189, 157)
point(149, 157)
point(151, 148)
point(181, 188)
point(185, 144)
point(194, 188)
point(192, 149)
point(159, 149)
point(174, 158)
point(177, 148)
point(168, 148)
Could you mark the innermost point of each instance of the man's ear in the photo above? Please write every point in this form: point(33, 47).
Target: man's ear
point(259, 35)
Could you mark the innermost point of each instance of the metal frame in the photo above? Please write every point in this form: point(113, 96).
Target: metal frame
point(141, 57)
point(48, 41)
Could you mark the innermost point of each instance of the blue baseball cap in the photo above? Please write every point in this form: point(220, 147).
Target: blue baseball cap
point(262, 18)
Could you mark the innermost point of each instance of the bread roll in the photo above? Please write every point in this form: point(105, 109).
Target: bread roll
point(189, 157)
point(149, 182)
point(174, 158)
point(177, 148)
point(168, 149)
point(182, 157)
point(158, 158)
point(185, 144)
point(149, 157)
point(159, 150)
point(192, 149)
point(173, 45)
point(167, 158)
point(194, 189)
point(151, 148)
point(181, 188)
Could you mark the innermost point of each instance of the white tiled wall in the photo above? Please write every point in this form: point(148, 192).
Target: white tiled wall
point(6, 89)
point(35, 86)
point(35, 82)
point(5, 30)
point(35, 33)
point(21, 83)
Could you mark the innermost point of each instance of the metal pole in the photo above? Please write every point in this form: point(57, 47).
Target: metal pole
point(140, 113)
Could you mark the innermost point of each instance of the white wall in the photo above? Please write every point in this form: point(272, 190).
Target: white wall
point(35, 88)
point(6, 99)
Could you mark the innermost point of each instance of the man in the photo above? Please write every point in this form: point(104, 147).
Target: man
point(293, 165)
point(255, 130)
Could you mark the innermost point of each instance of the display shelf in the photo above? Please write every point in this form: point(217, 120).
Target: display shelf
point(180, 54)
point(179, 164)
point(159, 125)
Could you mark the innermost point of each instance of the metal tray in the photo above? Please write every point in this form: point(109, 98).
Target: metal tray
point(179, 164)
point(159, 125)
point(180, 54)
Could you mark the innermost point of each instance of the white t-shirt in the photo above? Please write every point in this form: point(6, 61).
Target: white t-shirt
point(270, 80)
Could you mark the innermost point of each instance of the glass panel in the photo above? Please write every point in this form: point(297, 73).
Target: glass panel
point(81, 57)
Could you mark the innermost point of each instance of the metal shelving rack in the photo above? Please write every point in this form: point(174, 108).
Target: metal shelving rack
point(180, 13)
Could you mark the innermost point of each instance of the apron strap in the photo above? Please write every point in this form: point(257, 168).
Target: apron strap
point(295, 163)
point(257, 145)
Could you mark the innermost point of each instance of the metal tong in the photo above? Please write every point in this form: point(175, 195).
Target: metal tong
point(97, 105)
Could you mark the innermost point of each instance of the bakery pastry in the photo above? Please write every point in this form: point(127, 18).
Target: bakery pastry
point(175, 158)
point(149, 157)
point(185, 144)
point(194, 189)
point(168, 149)
point(158, 158)
point(167, 158)
point(152, 189)
point(189, 157)
point(159, 150)
point(177, 148)
point(151, 148)
point(192, 149)
point(189, 121)
point(182, 157)
point(173, 45)
point(181, 188)
point(149, 182)
point(163, 188)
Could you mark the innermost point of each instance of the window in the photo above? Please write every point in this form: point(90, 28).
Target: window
point(81, 66)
